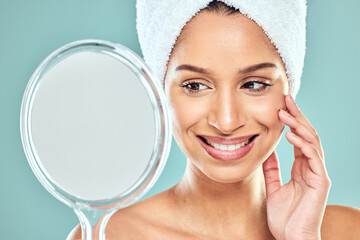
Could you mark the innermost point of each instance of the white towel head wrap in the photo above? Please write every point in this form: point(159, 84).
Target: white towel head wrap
point(159, 23)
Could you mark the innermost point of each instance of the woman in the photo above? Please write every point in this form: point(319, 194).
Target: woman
point(230, 97)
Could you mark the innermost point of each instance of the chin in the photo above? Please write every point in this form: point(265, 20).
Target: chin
point(242, 171)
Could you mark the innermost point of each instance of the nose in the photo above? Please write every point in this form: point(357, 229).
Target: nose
point(227, 112)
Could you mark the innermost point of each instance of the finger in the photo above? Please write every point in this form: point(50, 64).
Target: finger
point(315, 161)
point(271, 169)
point(294, 110)
point(302, 131)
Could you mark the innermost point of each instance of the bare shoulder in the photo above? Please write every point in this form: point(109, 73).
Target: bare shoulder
point(146, 219)
point(75, 234)
point(341, 222)
point(141, 220)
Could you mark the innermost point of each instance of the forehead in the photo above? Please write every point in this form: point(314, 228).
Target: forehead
point(215, 38)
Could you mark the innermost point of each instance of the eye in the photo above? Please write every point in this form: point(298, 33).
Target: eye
point(255, 86)
point(193, 87)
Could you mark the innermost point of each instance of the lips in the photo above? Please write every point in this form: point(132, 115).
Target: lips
point(224, 141)
point(227, 149)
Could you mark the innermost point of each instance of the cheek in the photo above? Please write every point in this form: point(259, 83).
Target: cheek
point(186, 115)
point(185, 112)
point(265, 111)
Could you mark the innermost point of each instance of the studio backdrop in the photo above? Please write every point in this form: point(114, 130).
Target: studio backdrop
point(30, 30)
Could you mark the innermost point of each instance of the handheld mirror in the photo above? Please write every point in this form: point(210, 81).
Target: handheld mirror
point(95, 128)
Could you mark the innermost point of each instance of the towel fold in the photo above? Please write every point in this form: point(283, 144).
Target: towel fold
point(159, 23)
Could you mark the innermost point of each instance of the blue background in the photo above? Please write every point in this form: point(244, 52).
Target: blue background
point(30, 30)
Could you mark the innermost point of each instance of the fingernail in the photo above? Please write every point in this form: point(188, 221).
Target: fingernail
point(291, 98)
point(285, 113)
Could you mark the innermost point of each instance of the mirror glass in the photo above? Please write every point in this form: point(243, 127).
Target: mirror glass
point(95, 127)
point(92, 125)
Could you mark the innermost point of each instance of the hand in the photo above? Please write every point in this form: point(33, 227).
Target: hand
point(295, 210)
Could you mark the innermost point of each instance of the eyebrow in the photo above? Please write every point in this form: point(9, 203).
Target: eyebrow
point(248, 69)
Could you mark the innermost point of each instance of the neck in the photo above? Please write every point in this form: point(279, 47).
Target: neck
point(223, 209)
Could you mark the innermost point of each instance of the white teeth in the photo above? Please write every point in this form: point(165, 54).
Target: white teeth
point(228, 147)
point(223, 147)
point(231, 147)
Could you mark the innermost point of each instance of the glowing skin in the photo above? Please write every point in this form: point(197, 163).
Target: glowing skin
point(240, 198)
point(233, 101)
point(225, 105)
point(239, 93)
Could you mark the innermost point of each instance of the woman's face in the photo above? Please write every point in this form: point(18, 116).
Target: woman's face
point(225, 83)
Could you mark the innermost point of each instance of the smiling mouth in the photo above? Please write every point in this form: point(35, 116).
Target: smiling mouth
point(228, 147)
